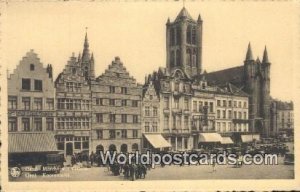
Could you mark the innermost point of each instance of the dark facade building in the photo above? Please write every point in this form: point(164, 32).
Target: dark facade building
point(116, 110)
point(73, 103)
point(254, 79)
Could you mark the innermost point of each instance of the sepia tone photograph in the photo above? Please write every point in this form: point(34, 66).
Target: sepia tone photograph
point(137, 92)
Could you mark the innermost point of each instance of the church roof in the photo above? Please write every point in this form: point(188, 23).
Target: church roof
point(232, 75)
point(183, 14)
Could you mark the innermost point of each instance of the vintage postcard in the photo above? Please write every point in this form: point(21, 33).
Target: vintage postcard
point(149, 95)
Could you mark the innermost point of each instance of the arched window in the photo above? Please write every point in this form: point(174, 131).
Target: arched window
point(135, 147)
point(99, 148)
point(188, 57)
point(172, 63)
point(189, 34)
point(178, 57)
point(124, 148)
point(194, 36)
point(112, 147)
point(194, 58)
point(172, 37)
point(178, 36)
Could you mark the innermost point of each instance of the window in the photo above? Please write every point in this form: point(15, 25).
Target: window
point(77, 143)
point(124, 102)
point(154, 111)
point(218, 114)
point(218, 103)
point(234, 103)
point(224, 114)
point(134, 103)
point(234, 114)
point(99, 134)
point(124, 118)
point(245, 115)
point(135, 119)
point(111, 102)
point(245, 104)
point(186, 122)
point(186, 104)
point(38, 85)
point(99, 117)
point(38, 104)
point(25, 124)
point(240, 115)
point(176, 103)
point(147, 127)
point(124, 90)
point(229, 114)
point(218, 126)
point(229, 103)
point(147, 111)
point(200, 106)
point(178, 122)
point(224, 103)
point(26, 84)
point(112, 118)
point(172, 37)
point(31, 67)
point(50, 104)
point(178, 36)
point(85, 142)
point(111, 89)
point(166, 102)
point(12, 102)
point(211, 107)
point(26, 103)
point(70, 86)
point(12, 124)
point(151, 97)
point(124, 134)
point(166, 122)
point(176, 87)
point(189, 35)
point(38, 124)
point(60, 103)
point(112, 134)
point(172, 62)
point(194, 36)
point(240, 104)
point(99, 101)
point(154, 127)
point(49, 124)
point(195, 106)
point(230, 126)
point(135, 133)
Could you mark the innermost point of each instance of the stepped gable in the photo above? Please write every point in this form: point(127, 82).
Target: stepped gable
point(116, 70)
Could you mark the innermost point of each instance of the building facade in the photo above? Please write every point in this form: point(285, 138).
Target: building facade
point(283, 113)
point(31, 96)
point(73, 99)
point(116, 99)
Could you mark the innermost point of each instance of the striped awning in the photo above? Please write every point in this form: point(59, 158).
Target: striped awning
point(250, 138)
point(157, 140)
point(31, 142)
point(210, 137)
point(226, 140)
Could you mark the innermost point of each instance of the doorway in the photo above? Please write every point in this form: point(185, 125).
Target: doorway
point(69, 148)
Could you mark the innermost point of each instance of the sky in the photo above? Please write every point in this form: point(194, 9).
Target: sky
point(135, 31)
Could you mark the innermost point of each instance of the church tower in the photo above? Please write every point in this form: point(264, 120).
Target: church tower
point(184, 44)
point(87, 61)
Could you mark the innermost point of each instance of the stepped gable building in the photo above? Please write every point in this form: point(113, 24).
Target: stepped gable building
point(73, 99)
point(31, 95)
point(116, 97)
point(254, 79)
point(31, 112)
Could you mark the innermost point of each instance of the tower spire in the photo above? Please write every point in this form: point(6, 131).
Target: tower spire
point(265, 57)
point(249, 55)
point(85, 53)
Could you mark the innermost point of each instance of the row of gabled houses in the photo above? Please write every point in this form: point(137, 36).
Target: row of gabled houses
point(177, 108)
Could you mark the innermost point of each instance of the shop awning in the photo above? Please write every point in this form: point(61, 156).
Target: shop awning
point(31, 142)
point(250, 138)
point(210, 137)
point(157, 140)
point(226, 140)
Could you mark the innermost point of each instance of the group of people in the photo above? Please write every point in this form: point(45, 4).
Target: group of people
point(130, 171)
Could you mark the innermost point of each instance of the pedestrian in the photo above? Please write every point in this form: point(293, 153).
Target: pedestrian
point(214, 165)
point(92, 158)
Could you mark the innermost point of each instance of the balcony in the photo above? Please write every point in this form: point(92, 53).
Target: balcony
point(176, 111)
point(180, 131)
